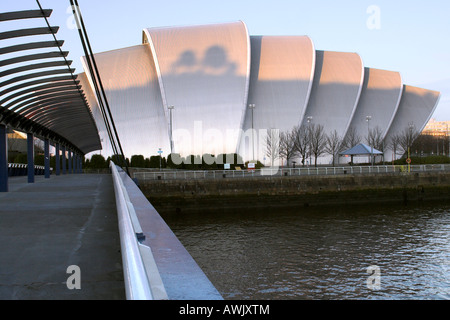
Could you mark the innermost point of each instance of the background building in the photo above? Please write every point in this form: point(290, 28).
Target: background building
point(215, 89)
point(437, 128)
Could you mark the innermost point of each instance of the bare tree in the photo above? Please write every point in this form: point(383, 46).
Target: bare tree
point(426, 144)
point(287, 145)
point(318, 141)
point(394, 144)
point(407, 137)
point(272, 145)
point(351, 139)
point(302, 142)
point(333, 144)
point(375, 138)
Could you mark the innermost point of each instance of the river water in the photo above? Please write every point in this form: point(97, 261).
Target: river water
point(367, 252)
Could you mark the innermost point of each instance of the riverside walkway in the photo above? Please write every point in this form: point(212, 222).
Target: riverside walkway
point(51, 224)
point(90, 222)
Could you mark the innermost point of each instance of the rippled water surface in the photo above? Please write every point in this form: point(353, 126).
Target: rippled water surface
point(321, 253)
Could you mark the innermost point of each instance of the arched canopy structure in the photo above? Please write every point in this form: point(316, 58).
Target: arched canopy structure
point(39, 92)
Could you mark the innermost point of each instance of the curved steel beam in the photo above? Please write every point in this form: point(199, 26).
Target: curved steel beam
point(31, 57)
point(35, 75)
point(66, 109)
point(14, 118)
point(42, 100)
point(25, 14)
point(36, 106)
point(31, 46)
point(34, 82)
point(34, 67)
point(40, 93)
point(58, 84)
point(47, 102)
point(27, 32)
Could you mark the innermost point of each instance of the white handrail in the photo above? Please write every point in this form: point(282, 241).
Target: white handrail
point(340, 170)
point(137, 286)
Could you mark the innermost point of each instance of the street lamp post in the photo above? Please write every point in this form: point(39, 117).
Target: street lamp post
point(160, 152)
point(171, 128)
point(368, 118)
point(252, 107)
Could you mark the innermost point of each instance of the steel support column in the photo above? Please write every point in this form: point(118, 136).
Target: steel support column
point(69, 155)
point(75, 163)
point(30, 157)
point(57, 160)
point(47, 159)
point(3, 158)
point(64, 171)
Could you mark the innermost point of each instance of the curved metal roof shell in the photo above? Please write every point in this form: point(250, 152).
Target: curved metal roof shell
point(282, 70)
point(39, 92)
point(138, 86)
point(204, 71)
point(337, 86)
point(414, 111)
point(380, 98)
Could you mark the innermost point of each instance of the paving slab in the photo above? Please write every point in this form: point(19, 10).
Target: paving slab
point(52, 224)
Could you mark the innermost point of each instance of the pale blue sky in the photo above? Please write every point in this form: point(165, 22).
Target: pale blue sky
point(412, 38)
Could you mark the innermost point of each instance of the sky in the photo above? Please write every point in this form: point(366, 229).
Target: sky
point(411, 37)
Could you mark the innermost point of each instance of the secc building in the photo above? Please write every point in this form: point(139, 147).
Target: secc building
point(215, 89)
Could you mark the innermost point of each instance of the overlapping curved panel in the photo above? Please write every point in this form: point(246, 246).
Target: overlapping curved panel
point(131, 86)
point(203, 72)
point(380, 97)
point(281, 75)
point(415, 109)
point(337, 85)
point(193, 86)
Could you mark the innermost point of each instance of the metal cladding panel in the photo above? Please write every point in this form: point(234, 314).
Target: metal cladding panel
point(416, 108)
point(337, 85)
point(203, 73)
point(380, 97)
point(281, 75)
point(131, 86)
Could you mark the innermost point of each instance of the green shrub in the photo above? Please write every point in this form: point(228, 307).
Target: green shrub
point(137, 161)
point(424, 160)
point(98, 162)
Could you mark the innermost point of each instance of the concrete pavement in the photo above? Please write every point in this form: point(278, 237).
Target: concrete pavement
point(52, 224)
